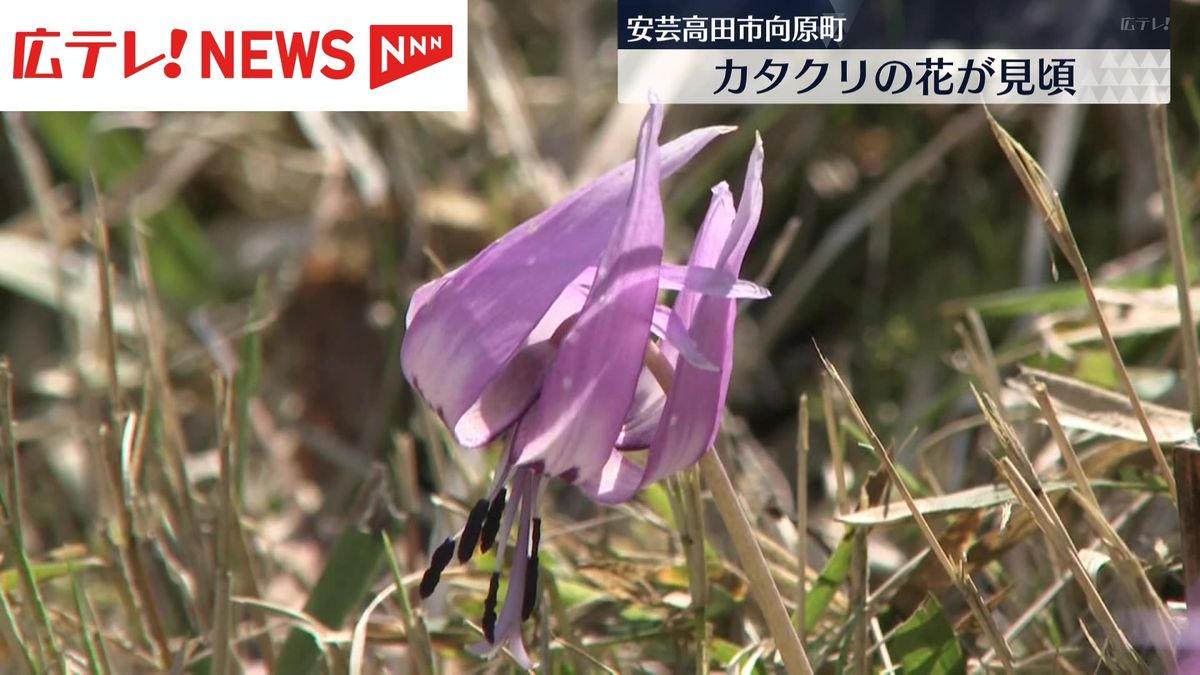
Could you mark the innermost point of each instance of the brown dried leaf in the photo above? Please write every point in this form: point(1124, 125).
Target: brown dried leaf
point(1085, 407)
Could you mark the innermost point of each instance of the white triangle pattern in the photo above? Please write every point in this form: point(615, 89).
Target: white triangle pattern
point(1127, 77)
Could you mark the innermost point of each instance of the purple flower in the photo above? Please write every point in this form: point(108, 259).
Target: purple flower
point(551, 333)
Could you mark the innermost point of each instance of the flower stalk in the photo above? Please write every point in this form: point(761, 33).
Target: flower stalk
point(754, 564)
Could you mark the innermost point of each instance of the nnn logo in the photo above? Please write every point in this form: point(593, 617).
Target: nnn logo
point(397, 51)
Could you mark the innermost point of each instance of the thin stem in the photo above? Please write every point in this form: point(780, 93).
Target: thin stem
point(683, 490)
point(802, 447)
point(837, 449)
point(762, 584)
point(741, 531)
point(416, 634)
point(1038, 186)
point(1175, 245)
point(10, 512)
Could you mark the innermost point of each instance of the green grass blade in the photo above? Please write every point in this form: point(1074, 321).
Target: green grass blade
point(926, 644)
point(832, 577)
point(354, 565)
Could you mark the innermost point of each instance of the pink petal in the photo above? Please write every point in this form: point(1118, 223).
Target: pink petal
point(692, 413)
point(717, 223)
point(518, 382)
point(642, 419)
point(575, 422)
point(709, 281)
point(469, 325)
point(671, 329)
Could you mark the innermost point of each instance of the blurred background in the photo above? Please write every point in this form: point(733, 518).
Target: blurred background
point(261, 268)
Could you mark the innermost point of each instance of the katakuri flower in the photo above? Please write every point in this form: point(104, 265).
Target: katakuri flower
point(550, 335)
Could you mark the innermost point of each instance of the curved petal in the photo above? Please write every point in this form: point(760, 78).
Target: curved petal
point(423, 295)
point(709, 281)
point(469, 325)
point(589, 388)
point(670, 328)
point(715, 227)
point(518, 382)
point(692, 413)
point(746, 222)
point(642, 419)
point(506, 397)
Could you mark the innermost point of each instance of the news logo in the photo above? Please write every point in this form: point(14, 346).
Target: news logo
point(230, 55)
point(397, 51)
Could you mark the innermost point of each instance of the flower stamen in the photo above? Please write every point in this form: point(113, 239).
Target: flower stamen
point(489, 608)
point(437, 564)
point(529, 602)
point(491, 524)
point(471, 531)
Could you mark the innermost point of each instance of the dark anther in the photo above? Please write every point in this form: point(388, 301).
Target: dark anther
point(470, 533)
point(441, 557)
point(491, 526)
point(489, 608)
point(531, 574)
point(531, 590)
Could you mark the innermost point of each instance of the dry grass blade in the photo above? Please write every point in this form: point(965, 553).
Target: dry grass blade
point(779, 252)
point(837, 449)
point(1057, 152)
point(859, 611)
point(138, 597)
point(1157, 116)
point(1041, 190)
point(964, 583)
point(502, 89)
point(1070, 458)
point(222, 628)
point(39, 185)
point(1086, 407)
point(980, 348)
point(298, 619)
point(174, 446)
point(358, 639)
point(971, 499)
point(1019, 473)
point(762, 585)
point(1187, 454)
point(1060, 540)
point(742, 532)
point(1134, 577)
point(802, 448)
point(104, 273)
